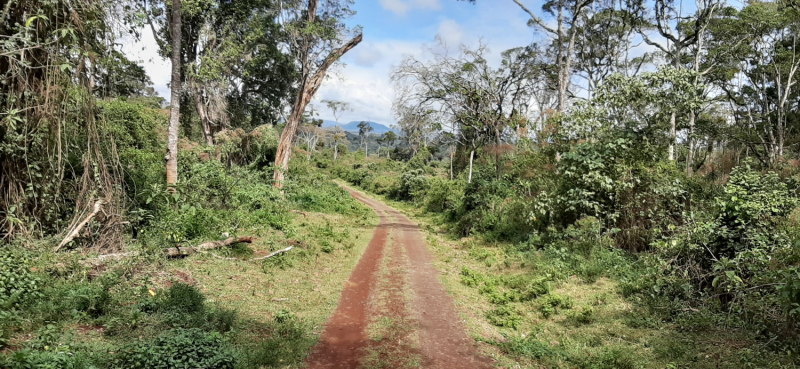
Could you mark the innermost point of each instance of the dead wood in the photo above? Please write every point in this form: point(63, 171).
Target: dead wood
point(98, 206)
point(180, 251)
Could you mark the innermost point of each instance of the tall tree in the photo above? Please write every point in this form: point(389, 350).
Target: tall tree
point(364, 128)
point(679, 32)
point(175, 95)
point(390, 137)
point(476, 102)
point(337, 108)
point(316, 43)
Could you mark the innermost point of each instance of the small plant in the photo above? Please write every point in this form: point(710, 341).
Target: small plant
point(582, 316)
point(183, 298)
point(504, 316)
point(177, 348)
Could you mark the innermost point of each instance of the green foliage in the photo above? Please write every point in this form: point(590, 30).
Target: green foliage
point(17, 283)
point(412, 183)
point(504, 316)
point(584, 315)
point(177, 348)
point(183, 298)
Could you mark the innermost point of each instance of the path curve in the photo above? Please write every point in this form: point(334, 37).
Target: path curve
point(443, 341)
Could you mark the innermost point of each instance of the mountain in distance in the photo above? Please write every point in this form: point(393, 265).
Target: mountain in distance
point(377, 128)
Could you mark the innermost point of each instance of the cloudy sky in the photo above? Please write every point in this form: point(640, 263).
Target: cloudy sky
point(392, 29)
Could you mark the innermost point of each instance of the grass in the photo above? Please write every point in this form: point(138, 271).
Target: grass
point(591, 325)
point(270, 312)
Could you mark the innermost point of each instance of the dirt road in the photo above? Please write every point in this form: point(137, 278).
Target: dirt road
point(393, 311)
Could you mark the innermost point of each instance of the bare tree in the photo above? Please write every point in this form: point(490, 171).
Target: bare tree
point(315, 41)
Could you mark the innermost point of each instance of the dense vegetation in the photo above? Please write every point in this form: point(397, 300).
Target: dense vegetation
point(669, 181)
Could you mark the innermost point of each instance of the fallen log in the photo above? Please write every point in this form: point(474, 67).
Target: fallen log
point(98, 206)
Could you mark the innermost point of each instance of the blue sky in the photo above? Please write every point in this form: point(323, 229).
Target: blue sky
point(392, 29)
point(396, 28)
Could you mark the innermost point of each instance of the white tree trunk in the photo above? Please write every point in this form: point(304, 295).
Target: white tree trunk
point(471, 157)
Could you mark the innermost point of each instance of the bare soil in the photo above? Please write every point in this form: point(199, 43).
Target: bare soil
point(443, 343)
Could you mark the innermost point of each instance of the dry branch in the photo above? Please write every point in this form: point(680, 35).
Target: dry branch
point(179, 251)
point(98, 206)
point(273, 254)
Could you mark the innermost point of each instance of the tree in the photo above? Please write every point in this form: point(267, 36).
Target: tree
point(175, 95)
point(472, 100)
point(568, 14)
point(315, 42)
point(390, 137)
point(233, 65)
point(364, 128)
point(680, 33)
point(337, 108)
point(757, 74)
point(336, 137)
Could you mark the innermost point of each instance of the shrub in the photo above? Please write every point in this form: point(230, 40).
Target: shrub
point(17, 283)
point(177, 348)
point(412, 183)
point(504, 316)
point(183, 298)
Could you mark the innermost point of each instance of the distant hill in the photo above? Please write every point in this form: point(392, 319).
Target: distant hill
point(377, 128)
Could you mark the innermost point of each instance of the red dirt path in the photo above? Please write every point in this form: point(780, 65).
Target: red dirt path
point(443, 343)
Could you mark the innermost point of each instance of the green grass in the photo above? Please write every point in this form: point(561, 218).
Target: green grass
point(267, 314)
point(589, 323)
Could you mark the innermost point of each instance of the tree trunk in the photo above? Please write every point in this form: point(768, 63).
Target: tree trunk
point(308, 88)
point(335, 150)
point(672, 137)
point(287, 136)
point(175, 95)
point(471, 157)
point(690, 155)
point(452, 156)
point(497, 152)
point(202, 113)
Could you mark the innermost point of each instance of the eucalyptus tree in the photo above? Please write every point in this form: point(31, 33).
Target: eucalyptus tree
point(316, 39)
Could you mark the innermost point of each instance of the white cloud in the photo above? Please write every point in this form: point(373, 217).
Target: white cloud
point(401, 7)
point(367, 56)
point(451, 33)
point(395, 6)
point(145, 52)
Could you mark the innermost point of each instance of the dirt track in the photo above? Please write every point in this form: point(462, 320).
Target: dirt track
point(440, 338)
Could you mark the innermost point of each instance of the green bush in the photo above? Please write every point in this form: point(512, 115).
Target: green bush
point(177, 348)
point(504, 316)
point(183, 298)
point(17, 283)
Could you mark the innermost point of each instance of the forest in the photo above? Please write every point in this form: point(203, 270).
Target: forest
point(621, 192)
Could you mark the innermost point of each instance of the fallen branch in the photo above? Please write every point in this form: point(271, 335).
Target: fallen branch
point(173, 251)
point(300, 212)
point(273, 254)
point(188, 250)
point(98, 206)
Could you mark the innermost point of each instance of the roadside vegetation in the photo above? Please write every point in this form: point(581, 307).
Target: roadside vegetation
point(588, 208)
